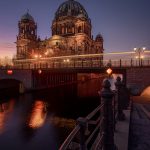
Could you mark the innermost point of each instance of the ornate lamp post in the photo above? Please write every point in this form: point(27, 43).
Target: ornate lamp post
point(139, 52)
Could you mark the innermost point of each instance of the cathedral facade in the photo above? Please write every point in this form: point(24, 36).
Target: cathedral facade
point(71, 35)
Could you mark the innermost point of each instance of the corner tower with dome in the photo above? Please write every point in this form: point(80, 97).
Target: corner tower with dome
point(71, 34)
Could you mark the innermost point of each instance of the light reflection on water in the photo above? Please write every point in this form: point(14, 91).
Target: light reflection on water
point(5, 110)
point(38, 114)
point(41, 121)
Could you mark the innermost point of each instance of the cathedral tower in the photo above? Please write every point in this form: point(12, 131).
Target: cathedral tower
point(27, 37)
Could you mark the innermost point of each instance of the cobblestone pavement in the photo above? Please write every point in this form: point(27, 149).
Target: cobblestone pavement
point(139, 134)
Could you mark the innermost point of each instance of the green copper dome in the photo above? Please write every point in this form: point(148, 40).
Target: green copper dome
point(27, 16)
point(71, 8)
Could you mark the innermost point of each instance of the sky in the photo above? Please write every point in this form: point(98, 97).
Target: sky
point(124, 24)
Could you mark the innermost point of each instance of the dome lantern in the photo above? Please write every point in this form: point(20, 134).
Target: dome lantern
point(27, 16)
point(99, 38)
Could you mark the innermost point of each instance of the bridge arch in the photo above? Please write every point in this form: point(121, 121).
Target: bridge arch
point(11, 85)
point(146, 92)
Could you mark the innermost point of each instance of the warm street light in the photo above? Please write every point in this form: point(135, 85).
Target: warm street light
point(140, 52)
point(109, 71)
point(37, 56)
point(39, 71)
point(67, 60)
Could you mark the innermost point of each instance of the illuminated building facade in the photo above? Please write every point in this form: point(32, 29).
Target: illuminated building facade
point(71, 35)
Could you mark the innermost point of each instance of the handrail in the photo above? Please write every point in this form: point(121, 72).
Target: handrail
point(94, 111)
point(92, 134)
point(74, 132)
point(80, 64)
point(69, 138)
point(96, 130)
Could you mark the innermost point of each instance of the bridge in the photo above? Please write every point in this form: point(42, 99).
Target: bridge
point(49, 72)
point(65, 70)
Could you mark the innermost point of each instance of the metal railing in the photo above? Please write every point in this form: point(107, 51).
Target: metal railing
point(84, 124)
point(122, 63)
point(92, 131)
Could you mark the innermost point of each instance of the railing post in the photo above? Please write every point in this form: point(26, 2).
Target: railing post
point(82, 122)
point(107, 113)
point(46, 65)
point(91, 63)
point(141, 62)
point(82, 63)
point(118, 84)
point(131, 62)
point(74, 63)
point(120, 63)
point(110, 62)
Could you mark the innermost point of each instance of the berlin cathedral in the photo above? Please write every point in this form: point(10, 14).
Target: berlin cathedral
point(71, 35)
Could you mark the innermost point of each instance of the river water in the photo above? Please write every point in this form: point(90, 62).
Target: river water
point(42, 120)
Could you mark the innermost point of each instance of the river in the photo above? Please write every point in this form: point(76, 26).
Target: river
point(41, 120)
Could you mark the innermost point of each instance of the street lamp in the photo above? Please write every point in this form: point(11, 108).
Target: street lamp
point(139, 52)
point(109, 71)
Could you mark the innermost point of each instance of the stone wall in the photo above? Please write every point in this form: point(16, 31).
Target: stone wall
point(138, 79)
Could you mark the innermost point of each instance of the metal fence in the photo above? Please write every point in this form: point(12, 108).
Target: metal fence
point(122, 63)
point(95, 131)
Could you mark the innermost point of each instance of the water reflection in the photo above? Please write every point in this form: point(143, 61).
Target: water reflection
point(5, 109)
point(42, 120)
point(38, 114)
point(62, 122)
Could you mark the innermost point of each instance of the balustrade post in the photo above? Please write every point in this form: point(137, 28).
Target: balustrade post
point(74, 63)
point(46, 65)
point(118, 84)
point(82, 63)
point(120, 63)
point(59, 64)
point(110, 62)
point(91, 63)
point(53, 64)
point(107, 113)
point(131, 62)
point(82, 122)
point(40, 66)
point(141, 62)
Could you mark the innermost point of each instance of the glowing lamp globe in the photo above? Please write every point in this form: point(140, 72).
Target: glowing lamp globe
point(39, 71)
point(109, 71)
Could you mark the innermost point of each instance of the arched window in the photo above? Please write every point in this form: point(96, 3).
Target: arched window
point(79, 29)
point(69, 29)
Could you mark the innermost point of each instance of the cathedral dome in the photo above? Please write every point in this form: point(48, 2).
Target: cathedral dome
point(27, 16)
point(71, 8)
point(99, 38)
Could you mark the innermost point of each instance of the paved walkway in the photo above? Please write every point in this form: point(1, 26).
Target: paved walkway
point(122, 131)
point(139, 138)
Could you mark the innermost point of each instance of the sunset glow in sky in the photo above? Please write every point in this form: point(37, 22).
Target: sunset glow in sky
point(124, 24)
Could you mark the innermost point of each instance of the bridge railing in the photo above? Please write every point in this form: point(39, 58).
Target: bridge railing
point(95, 131)
point(83, 64)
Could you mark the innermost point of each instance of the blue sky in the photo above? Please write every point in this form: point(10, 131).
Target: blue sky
point(124, 24)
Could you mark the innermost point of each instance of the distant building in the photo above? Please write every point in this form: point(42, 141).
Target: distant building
point(71, 34)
